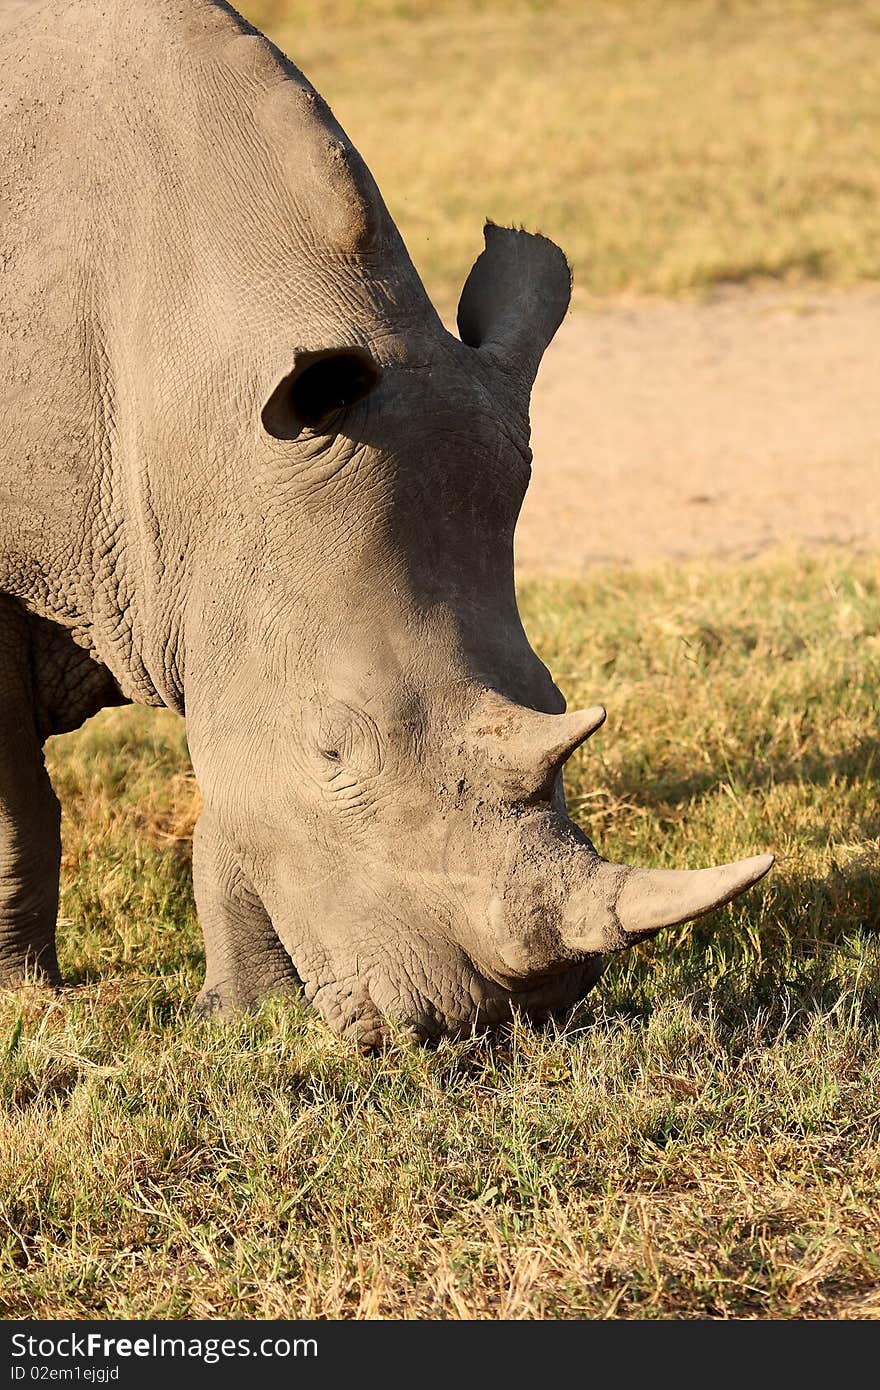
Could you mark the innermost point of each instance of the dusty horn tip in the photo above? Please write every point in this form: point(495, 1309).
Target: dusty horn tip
point(650, 899)
point(559, 735)
point(563, 733)
point(591, 719)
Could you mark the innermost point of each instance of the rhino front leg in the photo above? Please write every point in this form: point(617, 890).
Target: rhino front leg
point(30, 819)
point(244, 960)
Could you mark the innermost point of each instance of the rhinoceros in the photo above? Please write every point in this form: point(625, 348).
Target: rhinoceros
point(247, 474)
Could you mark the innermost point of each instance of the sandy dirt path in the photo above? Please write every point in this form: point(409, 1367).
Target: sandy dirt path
point(676, 429)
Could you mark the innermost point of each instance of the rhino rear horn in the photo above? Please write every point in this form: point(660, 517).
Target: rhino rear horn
point(524, 754)
point(320, 384)
point(515, 298)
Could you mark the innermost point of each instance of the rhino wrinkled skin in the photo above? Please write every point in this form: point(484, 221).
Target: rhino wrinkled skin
point(247, 474)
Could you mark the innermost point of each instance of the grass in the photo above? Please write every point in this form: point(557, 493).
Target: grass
point(701, 1141)
point(668, 145)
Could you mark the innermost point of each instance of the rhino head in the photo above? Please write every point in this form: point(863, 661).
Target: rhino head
point(379, 749)
point(381, 754)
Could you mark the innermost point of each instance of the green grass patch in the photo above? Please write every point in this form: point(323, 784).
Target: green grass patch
point(701, 1140)
point(667, 145)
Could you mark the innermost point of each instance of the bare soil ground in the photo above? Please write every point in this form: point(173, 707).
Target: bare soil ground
point(666, 430)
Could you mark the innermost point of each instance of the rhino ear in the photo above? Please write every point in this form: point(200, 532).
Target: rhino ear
point(515, 298)
point(320, 384)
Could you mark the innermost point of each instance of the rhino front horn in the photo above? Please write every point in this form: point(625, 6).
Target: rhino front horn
point(625, 903)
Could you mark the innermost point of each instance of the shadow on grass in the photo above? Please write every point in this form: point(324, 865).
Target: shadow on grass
point(826, 962)
point(23, 1088)
point(861, 762)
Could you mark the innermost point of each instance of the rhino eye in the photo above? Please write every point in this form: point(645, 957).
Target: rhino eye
point(348, 737)
point(320, 384)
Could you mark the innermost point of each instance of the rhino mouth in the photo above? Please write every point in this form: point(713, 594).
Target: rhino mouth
point(465, 995)
point(376, 1012)
point(522, 986)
